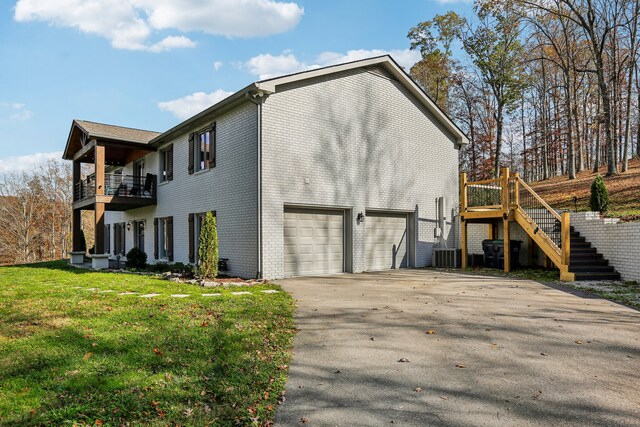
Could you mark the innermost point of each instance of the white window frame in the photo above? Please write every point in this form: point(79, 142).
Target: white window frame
point(202, 163)
point(163, 249)
point(164, 172)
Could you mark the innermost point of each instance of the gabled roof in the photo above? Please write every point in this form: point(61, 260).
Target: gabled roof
point(269, 86)
point(83, 130)
point(118, 133)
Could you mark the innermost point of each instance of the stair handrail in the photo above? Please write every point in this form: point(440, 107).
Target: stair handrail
point(564, 249)
point(540, 199)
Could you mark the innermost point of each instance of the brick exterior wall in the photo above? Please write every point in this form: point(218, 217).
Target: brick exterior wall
point(617, 242)
point(359, 140)
point(230, 189)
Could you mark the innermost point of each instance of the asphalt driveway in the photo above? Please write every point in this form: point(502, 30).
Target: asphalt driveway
point(501, 352)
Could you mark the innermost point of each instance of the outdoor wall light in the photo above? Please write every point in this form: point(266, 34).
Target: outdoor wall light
point(128, 225)
point(360, 217)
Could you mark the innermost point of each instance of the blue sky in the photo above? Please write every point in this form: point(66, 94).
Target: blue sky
point(150, 64)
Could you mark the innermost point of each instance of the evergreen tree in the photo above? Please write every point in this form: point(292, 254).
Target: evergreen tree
point(599, 200)
point(208, 248)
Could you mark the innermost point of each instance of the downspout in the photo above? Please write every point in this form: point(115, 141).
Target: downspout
point(256, 98)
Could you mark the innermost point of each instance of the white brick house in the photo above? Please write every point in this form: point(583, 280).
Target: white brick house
point(330, 170)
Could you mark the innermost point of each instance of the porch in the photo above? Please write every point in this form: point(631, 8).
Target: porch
point(107, 148)
point(509, 199)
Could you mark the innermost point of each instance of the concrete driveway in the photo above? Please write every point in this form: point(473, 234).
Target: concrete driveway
point(504, 352)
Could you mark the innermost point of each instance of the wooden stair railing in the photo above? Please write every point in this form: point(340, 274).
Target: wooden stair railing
point(511, 198)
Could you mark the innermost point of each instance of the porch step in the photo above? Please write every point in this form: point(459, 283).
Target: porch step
point(583, 250)
point(575, 268)
point(586, 263)
point(597, 276)
point(580, 244)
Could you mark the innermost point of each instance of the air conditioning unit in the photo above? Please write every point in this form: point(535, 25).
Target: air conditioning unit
point(446, 258)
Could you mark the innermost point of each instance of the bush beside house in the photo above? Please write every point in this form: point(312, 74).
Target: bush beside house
point(208, 248)
point(599, 200)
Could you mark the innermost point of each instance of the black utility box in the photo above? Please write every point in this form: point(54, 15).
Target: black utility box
point(494, 253)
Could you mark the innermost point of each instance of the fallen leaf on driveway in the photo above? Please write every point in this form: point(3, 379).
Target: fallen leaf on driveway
point(304, 420)
point(417, 389)
point(430, 332)
point(444, 398)
point(403, 360)
point(459, 365)
point(337, 372)
point(543, 354)
point(578, 342)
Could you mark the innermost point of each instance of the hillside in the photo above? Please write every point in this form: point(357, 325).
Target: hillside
point(624, 191)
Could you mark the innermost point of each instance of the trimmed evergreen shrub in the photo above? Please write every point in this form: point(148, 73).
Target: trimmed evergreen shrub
point(599, 200)
point(83, 242)
point(208, 248)
point(136, 258)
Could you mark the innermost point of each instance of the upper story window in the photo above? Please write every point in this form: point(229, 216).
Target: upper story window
point(202, 152)
point(166, 164)
point(202, 149)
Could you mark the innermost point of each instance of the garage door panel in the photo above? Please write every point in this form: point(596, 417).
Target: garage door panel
point(385, 241)
point(313, 242)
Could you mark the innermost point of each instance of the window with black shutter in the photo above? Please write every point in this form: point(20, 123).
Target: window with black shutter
point(166, 164)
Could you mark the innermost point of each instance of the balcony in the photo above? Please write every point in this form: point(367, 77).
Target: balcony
point(121, 192)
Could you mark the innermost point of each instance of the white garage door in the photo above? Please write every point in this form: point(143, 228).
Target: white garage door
point(385, 241)
point(313, 242)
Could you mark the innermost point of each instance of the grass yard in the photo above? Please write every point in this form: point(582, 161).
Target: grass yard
point(71, 353)
point(624, 191)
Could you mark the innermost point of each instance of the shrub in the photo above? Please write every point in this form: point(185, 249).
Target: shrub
point(136, 258)
point(83, 242)
point(599, 200)
point(208, 248)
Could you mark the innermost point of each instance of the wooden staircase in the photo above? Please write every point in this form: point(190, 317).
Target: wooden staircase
point(509, 199)
point(586, 263)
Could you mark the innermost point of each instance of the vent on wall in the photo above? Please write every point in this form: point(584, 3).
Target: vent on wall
point(448, 258)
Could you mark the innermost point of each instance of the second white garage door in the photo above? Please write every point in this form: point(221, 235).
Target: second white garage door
point(385, 240)
point(313, 242)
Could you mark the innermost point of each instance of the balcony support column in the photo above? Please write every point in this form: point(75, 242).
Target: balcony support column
point(99, 259)
point(76, 179)
point(100, 166)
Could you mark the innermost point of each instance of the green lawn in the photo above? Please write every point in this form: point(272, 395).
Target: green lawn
point(79, 356)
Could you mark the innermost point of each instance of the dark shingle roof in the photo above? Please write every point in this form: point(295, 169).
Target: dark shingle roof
point(101, 130)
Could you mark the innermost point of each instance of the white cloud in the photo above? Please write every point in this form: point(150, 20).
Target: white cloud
point(172, 42)
point(129, 24)
point(24, 163)
point(187, 106)
point(217, 65)
point(230, 18)
point(267, 66)
point(17, 111)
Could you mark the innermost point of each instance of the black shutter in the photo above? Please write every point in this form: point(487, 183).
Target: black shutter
point(169, 163)
point(192, 231)
point(155, 238)
point(107, 238)
point(123, 229)
point(192, 149)
point(116, 239)
point(170, 238)
point(212, 146)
